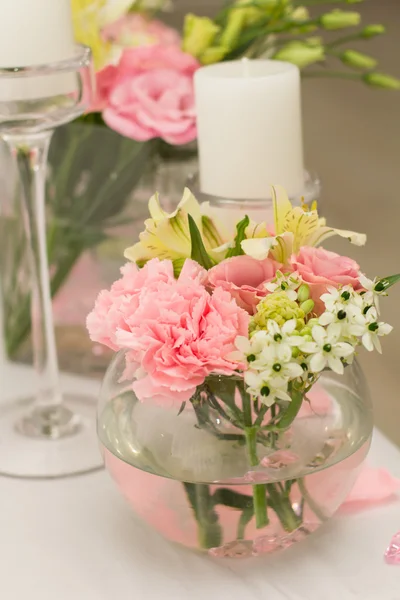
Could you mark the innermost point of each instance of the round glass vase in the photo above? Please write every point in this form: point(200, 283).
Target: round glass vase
point(223, 473)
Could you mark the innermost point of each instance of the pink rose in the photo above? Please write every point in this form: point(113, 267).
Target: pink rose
point(152, 95)
point(135, 30)
point(243, 277)
point(176, 332)
point(321, 268)
point(105, 79)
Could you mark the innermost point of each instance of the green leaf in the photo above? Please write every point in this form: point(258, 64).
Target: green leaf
point(232, 499)
point(245, 518)
point(240, 236)
point(387, 282)
point(199, 253)
point(182, 408)
point(289, 415)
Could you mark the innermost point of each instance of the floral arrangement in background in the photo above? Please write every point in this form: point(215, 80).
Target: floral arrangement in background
point(264, 307)
point(131, 54)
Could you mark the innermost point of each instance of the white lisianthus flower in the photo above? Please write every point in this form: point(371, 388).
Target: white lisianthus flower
point(326, 349)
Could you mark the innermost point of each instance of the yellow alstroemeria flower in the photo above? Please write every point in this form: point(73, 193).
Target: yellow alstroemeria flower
point(295, 227)
point(167, 236)
point(89, 18)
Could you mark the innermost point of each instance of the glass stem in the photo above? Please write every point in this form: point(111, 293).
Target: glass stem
point(48, 418)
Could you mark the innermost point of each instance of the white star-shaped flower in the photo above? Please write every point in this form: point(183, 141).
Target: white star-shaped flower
point(371, 295)
point(326, 349)
point(288, 283)
point(268, 389)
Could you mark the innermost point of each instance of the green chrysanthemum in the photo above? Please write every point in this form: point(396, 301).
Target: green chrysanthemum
point(279, 308)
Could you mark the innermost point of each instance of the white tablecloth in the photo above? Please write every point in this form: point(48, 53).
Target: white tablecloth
point(76, 539)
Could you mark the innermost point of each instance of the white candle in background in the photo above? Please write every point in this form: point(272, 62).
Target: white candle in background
point(35, 32)
point(249, 128)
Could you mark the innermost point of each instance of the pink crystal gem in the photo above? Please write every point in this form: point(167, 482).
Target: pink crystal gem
point(392, 554)
point(280, 459)
point(237, 549)
point(266, 544)
point(255, 477)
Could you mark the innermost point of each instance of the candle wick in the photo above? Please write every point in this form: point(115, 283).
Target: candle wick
point(246, 65)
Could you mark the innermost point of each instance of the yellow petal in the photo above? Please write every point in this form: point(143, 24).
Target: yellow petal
point(283, 249)
point(112, 10)
point(155, 210)
point(282, 206)
point(190, 204)
point(302, 224)
point(323, 233)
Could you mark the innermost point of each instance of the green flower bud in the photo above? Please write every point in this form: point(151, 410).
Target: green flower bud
point(312, 322)
point(380, 80)
point(235, 25)
point(339, 19)
point(301, 54)
point(199, 34)
point(358, 60)
point(371, 31)
point(213, 55)
point(300, 14)
point(303, 293)
point(277, 307)
point(306, 332)
point(307, 306)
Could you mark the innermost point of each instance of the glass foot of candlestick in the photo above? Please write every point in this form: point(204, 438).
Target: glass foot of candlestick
point(52, 434)
point(49, 442)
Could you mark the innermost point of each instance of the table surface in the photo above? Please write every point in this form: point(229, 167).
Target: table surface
point(75, 538)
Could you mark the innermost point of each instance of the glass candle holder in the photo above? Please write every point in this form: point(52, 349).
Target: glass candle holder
point(257, 210)
point(48, 434)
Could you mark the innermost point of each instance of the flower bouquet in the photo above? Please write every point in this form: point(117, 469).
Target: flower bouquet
point(234, 417)
point(144, 119)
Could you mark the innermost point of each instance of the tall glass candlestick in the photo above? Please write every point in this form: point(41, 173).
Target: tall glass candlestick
point(49, 435)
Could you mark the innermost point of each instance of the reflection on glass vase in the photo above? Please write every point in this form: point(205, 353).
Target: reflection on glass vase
point(222, 474)
point(98, 187)
point(93, 198)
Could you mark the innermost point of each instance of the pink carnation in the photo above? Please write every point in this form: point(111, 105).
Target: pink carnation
point(113, 307)
point(244, 278)
point(175, 331)
point(150, 94)
point(320, 268)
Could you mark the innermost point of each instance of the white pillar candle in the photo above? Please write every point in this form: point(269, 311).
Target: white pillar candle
point(35, 32)
point(249, 128)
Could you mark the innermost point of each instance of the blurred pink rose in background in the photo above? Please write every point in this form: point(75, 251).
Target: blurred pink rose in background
point(135, 30)
point(149, 94)
point(105, 79)
point(320, 268)
point(243, 277)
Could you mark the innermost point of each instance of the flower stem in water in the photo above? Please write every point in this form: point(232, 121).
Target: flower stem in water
point(260, 489)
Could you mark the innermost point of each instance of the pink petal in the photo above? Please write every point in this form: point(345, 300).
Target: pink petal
point(127, 126)
point(373, 486)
